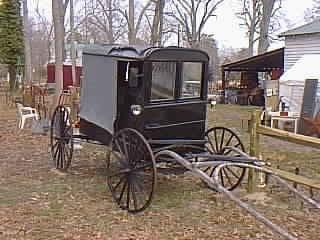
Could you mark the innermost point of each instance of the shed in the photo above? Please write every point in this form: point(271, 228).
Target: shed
point(265, 62)
point(67, 74)
point(269, 62)
point(292, 82)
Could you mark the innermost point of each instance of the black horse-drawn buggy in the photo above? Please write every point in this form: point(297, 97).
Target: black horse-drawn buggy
point(137, 102)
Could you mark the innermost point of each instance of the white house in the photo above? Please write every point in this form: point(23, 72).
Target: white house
point(300, 41)
point(301, 62)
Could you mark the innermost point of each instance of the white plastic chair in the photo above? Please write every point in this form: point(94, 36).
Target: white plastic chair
point(25, 113)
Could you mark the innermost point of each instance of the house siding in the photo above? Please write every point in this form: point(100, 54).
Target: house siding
point(299, 45)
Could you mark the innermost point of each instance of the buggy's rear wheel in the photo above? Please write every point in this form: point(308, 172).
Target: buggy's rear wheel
point(131, 168)
point(217, 139)
point(61, 141)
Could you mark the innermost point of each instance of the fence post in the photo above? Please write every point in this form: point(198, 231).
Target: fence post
point(254, 147)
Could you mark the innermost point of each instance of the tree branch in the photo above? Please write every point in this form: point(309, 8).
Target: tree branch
point(65, 6)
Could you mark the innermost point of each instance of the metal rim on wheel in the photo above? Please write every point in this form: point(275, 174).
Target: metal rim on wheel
point(61, 141)
point(131, 168)
point(217, 139)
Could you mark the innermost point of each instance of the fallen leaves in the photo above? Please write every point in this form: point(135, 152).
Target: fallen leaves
point(39, 202)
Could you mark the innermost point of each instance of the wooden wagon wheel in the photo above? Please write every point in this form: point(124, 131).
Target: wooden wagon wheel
point(131, 169)
point(61, 140)
point(217, 139)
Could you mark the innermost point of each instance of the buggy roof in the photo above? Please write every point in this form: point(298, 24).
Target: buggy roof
point(141, 53)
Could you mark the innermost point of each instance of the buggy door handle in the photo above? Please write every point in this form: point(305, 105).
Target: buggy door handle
point(152, 125)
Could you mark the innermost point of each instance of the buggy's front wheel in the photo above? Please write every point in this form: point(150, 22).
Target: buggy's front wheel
point(131, 170)
point(61, 141)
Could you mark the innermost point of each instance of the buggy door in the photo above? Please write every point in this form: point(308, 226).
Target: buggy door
point(129, 93)
point(175, 106)
point(98, 97)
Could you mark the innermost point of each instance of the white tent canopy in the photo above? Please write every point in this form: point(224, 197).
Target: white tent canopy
point(291, 83)
point(306, 67)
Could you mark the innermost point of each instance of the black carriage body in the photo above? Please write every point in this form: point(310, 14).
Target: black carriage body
point(139, 101)
point(161, 92)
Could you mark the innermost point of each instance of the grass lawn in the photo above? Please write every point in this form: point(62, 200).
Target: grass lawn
point(37, 202)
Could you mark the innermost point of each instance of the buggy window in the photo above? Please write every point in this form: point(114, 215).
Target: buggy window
point(163, 80)
point(191, 80)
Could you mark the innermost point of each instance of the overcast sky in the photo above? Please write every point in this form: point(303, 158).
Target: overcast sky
point(225, 26)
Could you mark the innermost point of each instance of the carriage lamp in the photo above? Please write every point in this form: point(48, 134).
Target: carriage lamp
point(136, 109)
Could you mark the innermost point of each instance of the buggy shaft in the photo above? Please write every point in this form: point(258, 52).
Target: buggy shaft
point(194, 169)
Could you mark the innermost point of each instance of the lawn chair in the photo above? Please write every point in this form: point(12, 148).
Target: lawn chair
point(25, 113)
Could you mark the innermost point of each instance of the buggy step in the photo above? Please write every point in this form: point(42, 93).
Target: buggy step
point(177, 141)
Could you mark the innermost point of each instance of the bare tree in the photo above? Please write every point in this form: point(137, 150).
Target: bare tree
point(259, 17)
point(110, 20)
point(27, 44)
point(40, 38)
point(58, 14)
point(209, 45)
point(269, 11)
point(46, 28)
point(314, 12)
point(134, 23)
point(250, 17)
point(39, 51)
point(160, 26)
point(115, 19)
point(187, 12)
point(157, 23)
point(73, 48)
point(104, 18)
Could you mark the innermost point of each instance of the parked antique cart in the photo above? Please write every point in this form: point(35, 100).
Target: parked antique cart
point(138, 102)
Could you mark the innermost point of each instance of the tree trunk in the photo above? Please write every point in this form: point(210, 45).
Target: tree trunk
point(12, 77)
point(110, 23)
point(157, 24)
point(251, 43)
point(27, 44)
point(195, 34)
point(73, 48)
point(252, 30)
point(57, 6)
point(131, 30)
point(267, 8)
point(162, 5)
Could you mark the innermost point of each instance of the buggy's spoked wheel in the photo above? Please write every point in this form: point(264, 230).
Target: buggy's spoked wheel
point(217, 139)
point(131, 169)
point(61, 141)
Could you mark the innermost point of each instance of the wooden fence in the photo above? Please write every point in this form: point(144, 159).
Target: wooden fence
point(4, 92)
point(256, 129)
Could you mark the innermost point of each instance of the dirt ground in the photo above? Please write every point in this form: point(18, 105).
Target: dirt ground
point(37, 202)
